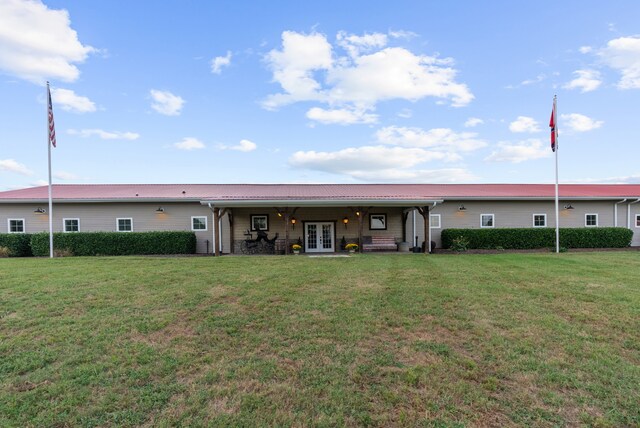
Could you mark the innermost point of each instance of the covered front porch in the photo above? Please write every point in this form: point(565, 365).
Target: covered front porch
point(318, 227)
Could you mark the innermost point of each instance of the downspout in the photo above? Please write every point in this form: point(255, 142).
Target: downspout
point(629, 212)
point(213, 231)
point(615, 212)
point(429, 214)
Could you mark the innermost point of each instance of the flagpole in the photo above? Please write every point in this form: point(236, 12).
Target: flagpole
point(50, 193)
point(555, 131)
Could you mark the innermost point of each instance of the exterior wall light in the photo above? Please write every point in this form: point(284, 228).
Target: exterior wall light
point(568, 207)
point(293, 222)
point(461, 208)
point(40, 210)
point(345, 221)
point(160, 210)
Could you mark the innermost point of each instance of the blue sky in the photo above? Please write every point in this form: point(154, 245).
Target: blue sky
point(325, 92)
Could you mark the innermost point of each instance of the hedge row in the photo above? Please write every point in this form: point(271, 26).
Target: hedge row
point(19, 244)
point(101, 243)
point(601, 237)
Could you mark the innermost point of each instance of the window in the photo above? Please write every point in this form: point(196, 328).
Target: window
point(260, 222)
point(637, 220)
point(591, 220)
point(539, 220)
point(124, 225)
point(15, 225)
point(487, 220)
point(198, 223)
point(377, 222)
point(434, 221)
point(71, 224)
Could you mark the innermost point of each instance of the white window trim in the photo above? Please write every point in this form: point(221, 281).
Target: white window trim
point(493, 222)
point(206, 223)
point(533, 219)
point(118, 224)
point(64, 225)
point(24, 225)
point(591, 225)
point(431, 226)
point(637, 220)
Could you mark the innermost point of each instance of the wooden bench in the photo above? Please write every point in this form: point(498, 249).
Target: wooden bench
point(384, 243)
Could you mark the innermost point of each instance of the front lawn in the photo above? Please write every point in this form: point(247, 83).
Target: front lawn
point(441, 340)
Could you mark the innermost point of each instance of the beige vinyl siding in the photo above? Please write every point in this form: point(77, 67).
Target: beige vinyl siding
point(518, 214)
point(101, 217)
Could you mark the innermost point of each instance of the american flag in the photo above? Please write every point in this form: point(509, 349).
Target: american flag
point(553, 125)
point(52, 128)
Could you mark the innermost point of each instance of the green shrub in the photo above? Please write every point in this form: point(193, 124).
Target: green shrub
point(5, 252)
point(460, 244)
point(115, 243)
point(530, 238)
point(19, 244)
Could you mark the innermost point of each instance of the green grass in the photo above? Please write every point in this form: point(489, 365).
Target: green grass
point(370, 340)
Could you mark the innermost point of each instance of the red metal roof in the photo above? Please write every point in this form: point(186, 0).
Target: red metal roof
point(230, 192)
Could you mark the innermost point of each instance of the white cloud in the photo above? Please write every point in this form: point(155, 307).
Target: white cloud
point(473, 122)
point(343, 116)
point(37, 43)
point(586, 81)
point(242, 146)
point(539, 78)
point(381, 164)
point(309, 69)
point(531, 149)
point(69, 101)
point(105, 135)
point(579, 123)
point(405, 113)
point(623, 54)
point(189, 143)
point(39, 183)
point(441, 139)
point(585, 49)
point(355, 45)
point(10, 165)
point(65, 176)
point(524, 124)
point(219, 62)
point(629, 179)
point(164, 102)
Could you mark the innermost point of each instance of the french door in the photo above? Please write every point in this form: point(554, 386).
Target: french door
point(319, 237)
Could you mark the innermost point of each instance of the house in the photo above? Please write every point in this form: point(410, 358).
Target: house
point(250, 216)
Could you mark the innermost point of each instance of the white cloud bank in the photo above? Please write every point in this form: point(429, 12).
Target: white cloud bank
point(68, 100)
point(396, 156)
point(11, 165)
point(623, 54)
point(309, 68)
point(527, 150)
point(105, 135)
point(586, 81)
point(342, 116)
point(219, 62)
point(164, 102)
point(189, 143)
point(37, 43)
point(473, 122)
point(242, 146)
point(524, 124)
point(579, 123)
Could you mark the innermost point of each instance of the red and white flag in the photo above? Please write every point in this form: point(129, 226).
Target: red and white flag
point(552, 125)
point(52, 128)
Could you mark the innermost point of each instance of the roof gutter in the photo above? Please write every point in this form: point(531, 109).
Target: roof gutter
point(629, 212)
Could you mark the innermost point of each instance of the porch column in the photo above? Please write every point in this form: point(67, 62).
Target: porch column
point(424, 211)
point(230, 217)
point(285, 215)
point(216, 231)
point(405, 216)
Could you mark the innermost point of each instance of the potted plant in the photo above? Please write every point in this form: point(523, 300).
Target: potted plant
point(296, 248)
point(352, 248)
